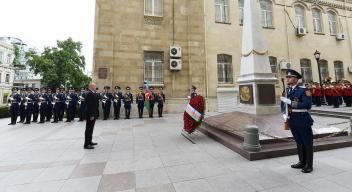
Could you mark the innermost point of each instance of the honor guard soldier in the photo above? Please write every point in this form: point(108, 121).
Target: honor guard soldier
point(160, 97)
point(317, 94)
point(36, 105)
point(335, 95)
point(49, 108)
point(127, 101)
point(56, 105)
point(22, 105)
point(117, 102)
point(107, 97)
point(14, 105)
point(347, 94)
point(71, 102)
point(62, 99)
point(82, 105)
point(29, 103)
point(151, 102)
point(140, 99)
point(193, 91)
point(43, 104)
point(98, 96)
point(299, 101)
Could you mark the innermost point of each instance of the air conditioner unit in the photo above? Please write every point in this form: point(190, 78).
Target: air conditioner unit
point(285, 65)
point(340, 37)
point(175, 64)
point(349, 69)
point(175, 51)
point(301, 31)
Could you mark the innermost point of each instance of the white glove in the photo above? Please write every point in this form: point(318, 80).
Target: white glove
point(189, 97)
point(286, 100)
point(284, 116)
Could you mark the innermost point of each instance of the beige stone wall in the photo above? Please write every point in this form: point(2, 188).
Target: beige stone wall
point(122, 34)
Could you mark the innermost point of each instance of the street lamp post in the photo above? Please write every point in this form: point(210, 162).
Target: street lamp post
point(317, 57)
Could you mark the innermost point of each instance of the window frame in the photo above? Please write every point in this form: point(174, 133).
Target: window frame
point(266, 13)
point(317, 21)
point(303, 72)
point(225, 4)
point(153, 79)
point(330, 22)
point(322, 67)
point(340, 69)
point(154, 9)
point(303, 16)
point(225, 61)
point(241, 11)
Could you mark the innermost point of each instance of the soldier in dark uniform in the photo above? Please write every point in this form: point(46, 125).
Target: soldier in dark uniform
point(30, 104)
point(22, 105)
point(161, 100)
point(82, 105)
point(193, 91)
point(117, 102)
point(299, 101)
point(43, 103)
point(49, 109)
point(36, 105)
point(106, 102)
point(14, 104)
point(140, 99)
point(71, 102)
point(127, 101)
point(57, 105)
point(152, 99)
point(98, 97)
point(62, 99)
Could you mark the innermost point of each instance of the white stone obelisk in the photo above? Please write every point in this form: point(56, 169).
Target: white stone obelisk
point(256, 81)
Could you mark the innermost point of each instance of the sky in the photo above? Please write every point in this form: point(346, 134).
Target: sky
point(40, 23)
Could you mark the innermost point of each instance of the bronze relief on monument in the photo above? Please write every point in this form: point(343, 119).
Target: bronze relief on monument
point(246, 94)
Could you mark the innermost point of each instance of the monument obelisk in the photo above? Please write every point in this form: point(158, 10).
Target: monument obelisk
point(256, 81)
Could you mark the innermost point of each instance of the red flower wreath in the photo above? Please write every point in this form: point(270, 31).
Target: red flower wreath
point(189, 124)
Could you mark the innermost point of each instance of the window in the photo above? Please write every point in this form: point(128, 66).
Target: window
point(225, 68)
point(153, 8)
point(222, 11)
point(240, 7)
point(267, 13)
point(273, 64)
point(1, 55)
point(7, 78)
point(317, 21)
point(339, 73)
point(306, 70)
point(324, 69)
point(300, 20)
point(153, 67)
point(9, 58)
point(332, 22)
point(5, 98)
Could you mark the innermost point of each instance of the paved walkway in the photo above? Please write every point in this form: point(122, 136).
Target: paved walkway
point(150, 155)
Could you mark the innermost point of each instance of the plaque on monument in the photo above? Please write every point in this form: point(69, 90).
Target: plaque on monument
point(246, 94)
point(266, 94)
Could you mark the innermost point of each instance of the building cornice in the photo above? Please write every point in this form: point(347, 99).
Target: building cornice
point(330, 4)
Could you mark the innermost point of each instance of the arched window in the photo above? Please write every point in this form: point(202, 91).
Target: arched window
point(222, 11)
point(324, 69)
point(300, 16)
point(267, 13)
point(317, 20)
point(332, 19)
point(225, 68)
point(306, 70)
point(339, 72)
point(240, 7)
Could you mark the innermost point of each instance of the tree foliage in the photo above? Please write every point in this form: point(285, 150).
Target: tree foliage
point(59, 66)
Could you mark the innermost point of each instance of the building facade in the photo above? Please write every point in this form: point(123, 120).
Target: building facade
point(7, 71)
point(132, 44)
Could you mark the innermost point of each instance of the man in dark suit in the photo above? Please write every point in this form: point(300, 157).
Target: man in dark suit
point(91, 115)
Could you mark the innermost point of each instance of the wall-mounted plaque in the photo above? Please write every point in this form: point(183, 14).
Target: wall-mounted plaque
point(246, 94)
point(266, 94)
point(102, 73)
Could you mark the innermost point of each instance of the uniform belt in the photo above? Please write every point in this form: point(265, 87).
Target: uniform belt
point(299, 110)
point(14, 102)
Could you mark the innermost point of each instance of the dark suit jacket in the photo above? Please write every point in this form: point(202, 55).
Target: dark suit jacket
point(92, 104)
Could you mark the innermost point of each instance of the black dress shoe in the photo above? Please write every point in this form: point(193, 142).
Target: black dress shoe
point(41, 122)
point(12, 123)
point(88, 147)
point(307, 169)
point(54, 122)
point(27, 123)
point(298, 165)
point(92, 143)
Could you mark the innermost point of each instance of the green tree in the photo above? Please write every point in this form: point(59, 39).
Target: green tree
point(60, 66)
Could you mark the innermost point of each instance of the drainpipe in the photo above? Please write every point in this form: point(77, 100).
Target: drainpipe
point(206, 56)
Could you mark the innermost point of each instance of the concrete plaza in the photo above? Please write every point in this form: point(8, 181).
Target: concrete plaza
point(150, 155)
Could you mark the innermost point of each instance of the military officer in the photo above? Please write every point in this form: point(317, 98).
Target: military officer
point(299, 101)
point(107, 97)
point(43, 103)
point(347, 94)
point(193, 91)
point(127, 101)
point(71, 102)
point(49, 109)
point(152, 99)
point(57, 105)
point(140, 99)
point(117, 102)
point(98, 97)
point(30, 104)
point(62, 99)
point(36, 105)
point(23, 105)
point(82, 105)
point(14, 104)
point(161, 100)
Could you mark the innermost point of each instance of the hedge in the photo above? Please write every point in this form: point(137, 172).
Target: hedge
point(4, 112)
